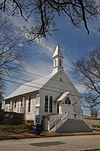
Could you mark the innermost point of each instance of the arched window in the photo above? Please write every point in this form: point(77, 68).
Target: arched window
point(15, 103)
point(21, 102)
point(46, 103)
point(50, 104)
point(29, 104)
point(61, 80)
point(67, 101)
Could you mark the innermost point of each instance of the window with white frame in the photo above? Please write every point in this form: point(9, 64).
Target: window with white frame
point(15, 103)
point(50, 104)
point(46, 103)
point(29, 104)
point(21, 102)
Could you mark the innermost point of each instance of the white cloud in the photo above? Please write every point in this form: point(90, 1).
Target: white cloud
point(47, 47)
point(20, 45)
point(81, 88)
point(67, 64)
point(38, 69)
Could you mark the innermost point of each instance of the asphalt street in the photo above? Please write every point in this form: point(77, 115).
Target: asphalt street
point(65, 143)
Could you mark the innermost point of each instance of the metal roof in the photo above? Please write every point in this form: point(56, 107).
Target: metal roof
point(30, 86)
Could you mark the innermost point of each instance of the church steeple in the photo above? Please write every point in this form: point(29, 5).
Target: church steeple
point(57, 59)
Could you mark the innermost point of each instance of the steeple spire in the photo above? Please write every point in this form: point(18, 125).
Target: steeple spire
point(57, 59)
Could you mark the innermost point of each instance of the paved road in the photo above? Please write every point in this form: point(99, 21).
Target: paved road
point(66, 143)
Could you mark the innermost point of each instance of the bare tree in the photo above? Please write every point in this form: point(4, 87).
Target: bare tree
point(1, 94)
point(10, 52)
point(43, 13)
point(94, 112)
point(87, 71)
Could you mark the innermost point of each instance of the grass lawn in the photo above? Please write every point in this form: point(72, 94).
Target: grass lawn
point(4, 128)
point(16, 132)
point(20, 131)
point(94, 126)
point(92, 118)
point(95, 149)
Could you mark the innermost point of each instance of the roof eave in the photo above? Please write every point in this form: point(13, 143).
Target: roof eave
point(22, 95)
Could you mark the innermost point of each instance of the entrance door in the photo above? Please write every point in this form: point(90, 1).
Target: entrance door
point(45, 123)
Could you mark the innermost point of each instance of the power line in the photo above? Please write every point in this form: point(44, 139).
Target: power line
point(41, 76)
point(36, 87)
point(33, 82)
point(50, 79)
point(39, 83)
point(32, 73)
point(47, 77)
point(19, 83)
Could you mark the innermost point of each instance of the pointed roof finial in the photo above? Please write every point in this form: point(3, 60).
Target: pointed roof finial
point(57, 52)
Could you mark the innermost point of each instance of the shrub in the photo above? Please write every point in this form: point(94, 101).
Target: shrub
point(1, 116)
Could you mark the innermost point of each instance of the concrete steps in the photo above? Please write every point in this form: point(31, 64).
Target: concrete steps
point(73, 125)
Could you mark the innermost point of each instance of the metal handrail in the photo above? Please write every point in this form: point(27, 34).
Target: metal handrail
point(54, 122)
point(63, 119)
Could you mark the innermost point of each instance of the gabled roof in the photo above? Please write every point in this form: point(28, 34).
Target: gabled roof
point(62, 96)
point(65, 95)
point(37, 84)
point(57, 52)
point(28, 87)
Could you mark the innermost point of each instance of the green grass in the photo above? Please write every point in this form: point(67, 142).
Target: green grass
point(10, 128)
point(95, 149)
point(98, 126)
point(87, 118)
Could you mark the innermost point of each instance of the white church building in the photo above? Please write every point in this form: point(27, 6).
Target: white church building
point(51, 100)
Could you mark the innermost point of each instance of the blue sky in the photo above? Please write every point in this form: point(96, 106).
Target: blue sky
point(75, 43)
